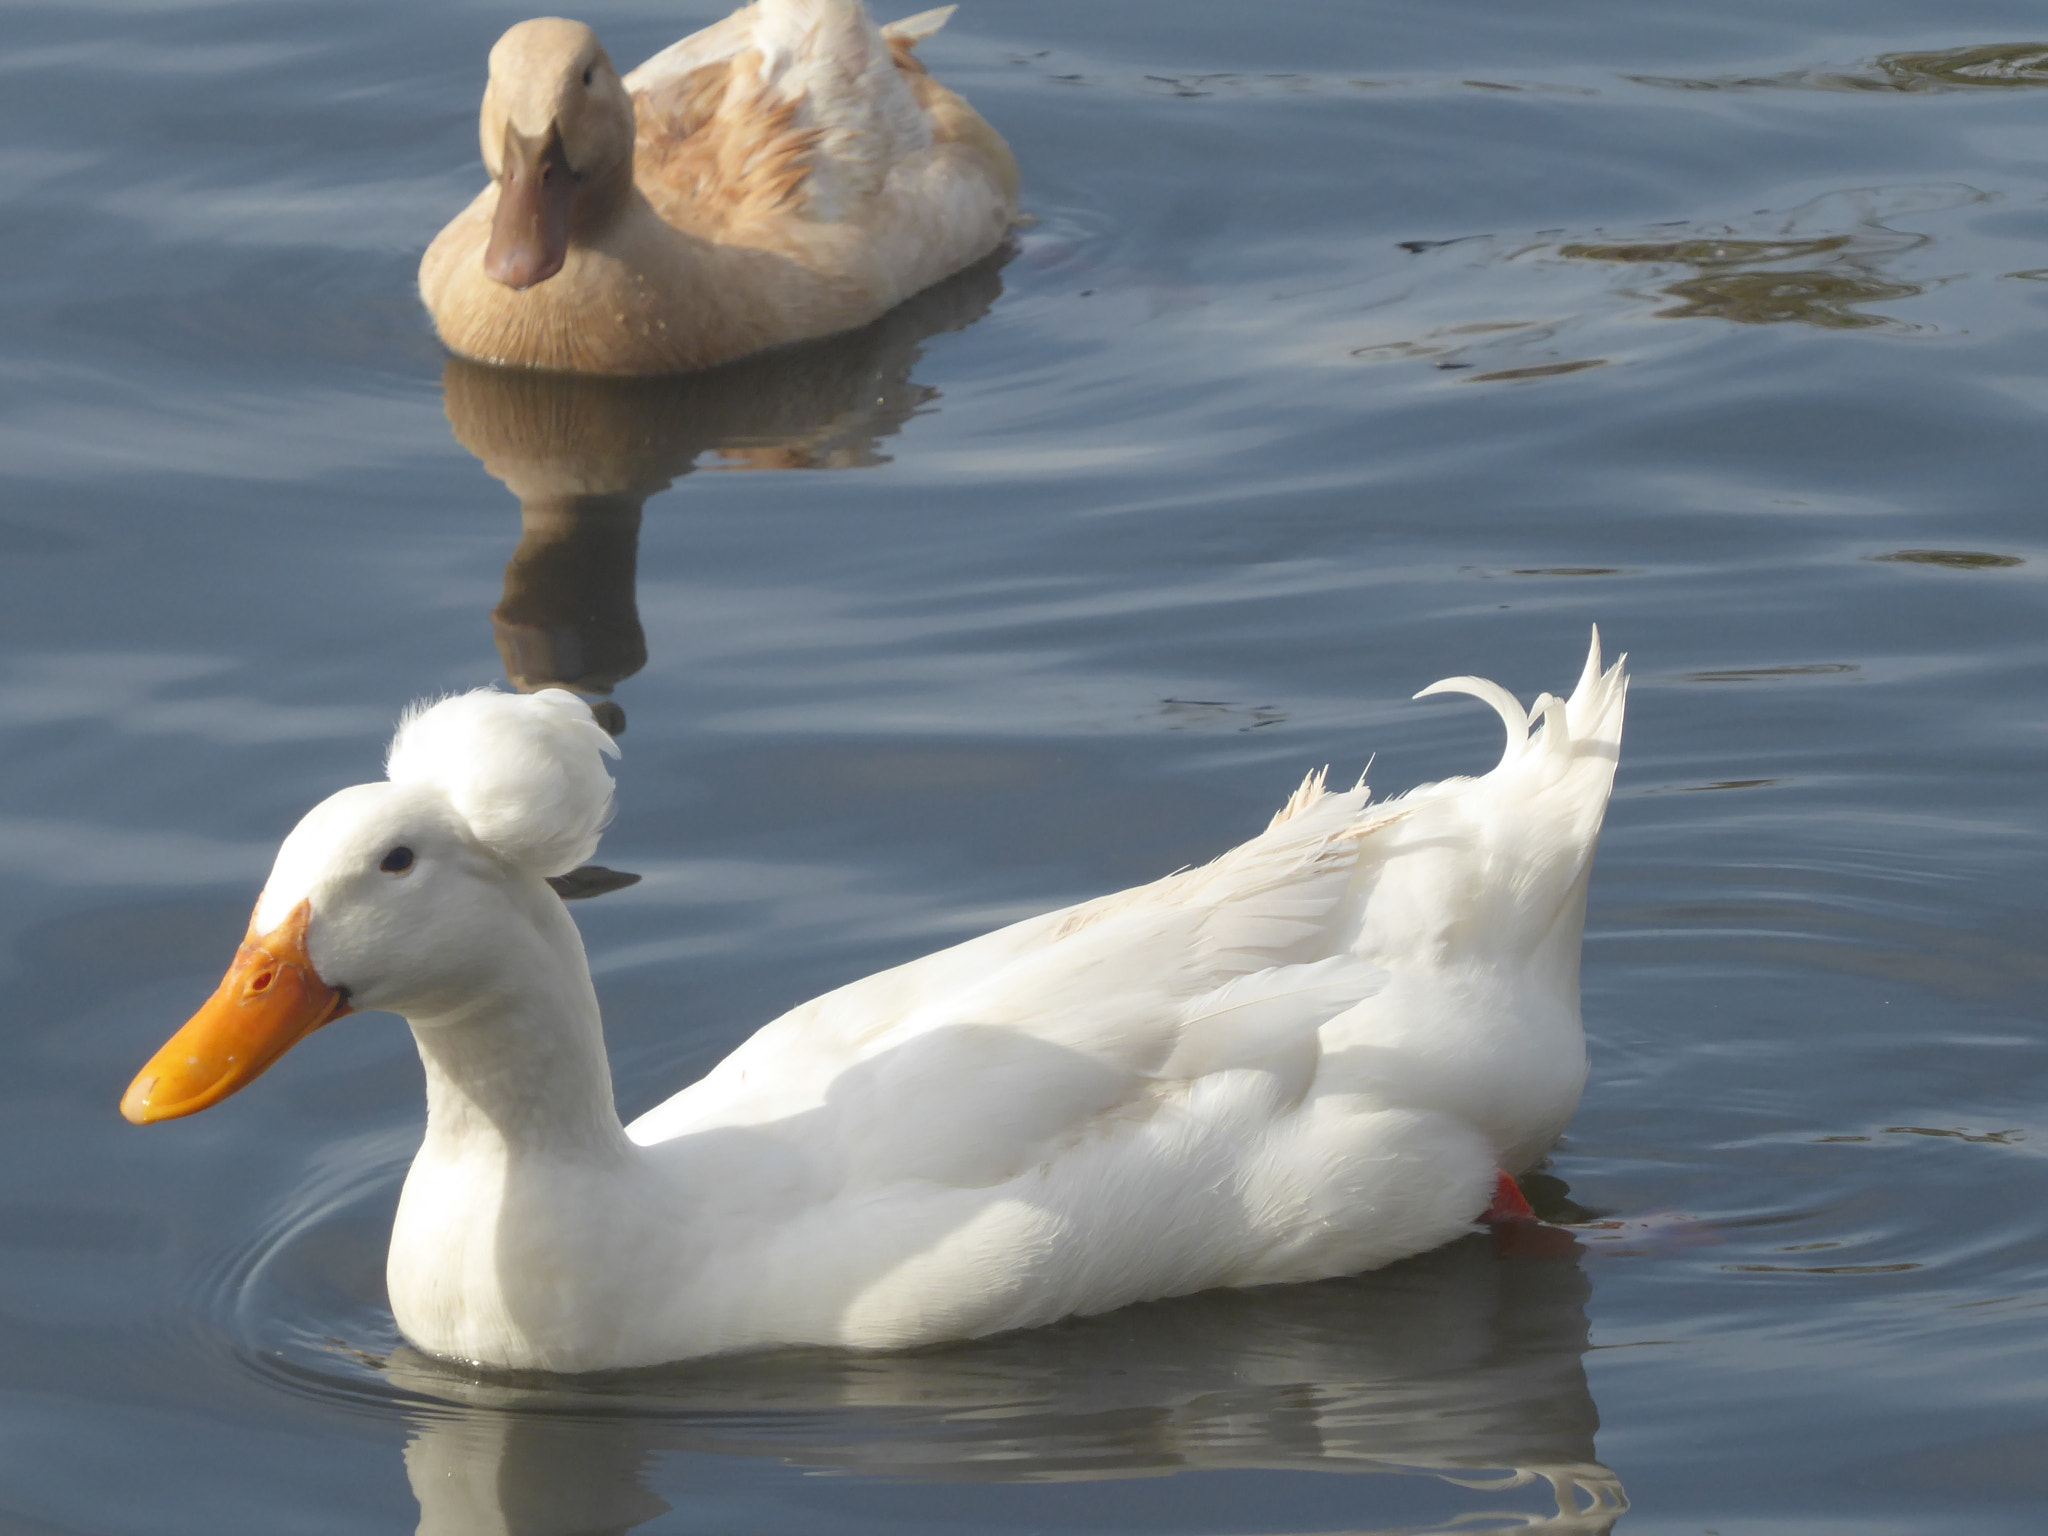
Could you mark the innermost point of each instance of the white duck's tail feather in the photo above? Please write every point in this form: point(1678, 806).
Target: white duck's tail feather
point(1505, 704)
point(1592, 715)
point(1494, 868)
point(1595, 708)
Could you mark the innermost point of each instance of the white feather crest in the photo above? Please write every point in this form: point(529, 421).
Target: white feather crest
point(526, 771)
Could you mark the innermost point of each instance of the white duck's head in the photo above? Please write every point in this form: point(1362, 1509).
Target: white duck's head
point(557, 134)
point(393, 895)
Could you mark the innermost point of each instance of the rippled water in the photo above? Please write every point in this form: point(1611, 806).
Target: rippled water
point(1350, 347)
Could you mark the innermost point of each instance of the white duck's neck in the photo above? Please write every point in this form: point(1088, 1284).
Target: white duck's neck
point(505, 1244)
point(518, 1071)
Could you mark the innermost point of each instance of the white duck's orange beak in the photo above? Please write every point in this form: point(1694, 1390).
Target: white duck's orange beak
point(270, 1000)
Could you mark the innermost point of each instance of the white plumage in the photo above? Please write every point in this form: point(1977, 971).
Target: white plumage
point(1314, 1055)
point(526, 773)
point(832, 62)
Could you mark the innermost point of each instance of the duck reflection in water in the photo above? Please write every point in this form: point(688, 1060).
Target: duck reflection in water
point(1463, 1364)
point(583, 455)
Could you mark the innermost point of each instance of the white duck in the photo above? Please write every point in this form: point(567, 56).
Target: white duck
point(1321, 1052)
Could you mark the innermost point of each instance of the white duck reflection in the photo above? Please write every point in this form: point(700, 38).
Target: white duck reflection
point(584, 454)
point(1463, 1364)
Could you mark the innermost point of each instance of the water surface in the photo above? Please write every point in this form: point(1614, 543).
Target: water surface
point(1349, 347)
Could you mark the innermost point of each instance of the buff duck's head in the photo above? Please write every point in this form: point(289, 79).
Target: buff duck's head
point(398, 895)
point(557, 136)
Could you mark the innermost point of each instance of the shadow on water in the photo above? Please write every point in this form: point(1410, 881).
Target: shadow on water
point(584, 454)
point(1464, 1364)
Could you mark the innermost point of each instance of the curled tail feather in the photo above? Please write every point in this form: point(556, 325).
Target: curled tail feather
point(1589, 720)
point(1505, 704)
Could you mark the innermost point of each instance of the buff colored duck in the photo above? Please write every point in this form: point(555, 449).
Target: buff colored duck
point(1326, 1050)
point(787, 173)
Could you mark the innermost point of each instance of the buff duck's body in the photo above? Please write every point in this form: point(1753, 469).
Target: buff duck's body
point(789, 172)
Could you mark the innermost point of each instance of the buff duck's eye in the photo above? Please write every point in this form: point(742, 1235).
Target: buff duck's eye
point(397, 861)
point(588, 71)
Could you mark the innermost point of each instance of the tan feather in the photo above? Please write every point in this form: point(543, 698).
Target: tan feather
point(790, 172)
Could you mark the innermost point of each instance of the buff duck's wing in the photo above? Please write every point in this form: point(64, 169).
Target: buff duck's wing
point(788, 106)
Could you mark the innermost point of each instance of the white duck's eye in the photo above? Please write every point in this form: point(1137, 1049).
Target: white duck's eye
point(397, 861)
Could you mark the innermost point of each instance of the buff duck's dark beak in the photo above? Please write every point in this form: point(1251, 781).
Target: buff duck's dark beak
point(536, 193)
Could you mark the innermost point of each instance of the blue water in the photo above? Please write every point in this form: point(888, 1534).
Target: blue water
point(1348, 347)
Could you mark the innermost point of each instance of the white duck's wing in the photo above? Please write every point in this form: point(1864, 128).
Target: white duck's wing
point(1402, 953)
point(970, 1064)
point(789, 104)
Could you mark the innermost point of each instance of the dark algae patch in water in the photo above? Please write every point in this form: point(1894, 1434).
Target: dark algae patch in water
point(1952, 559)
